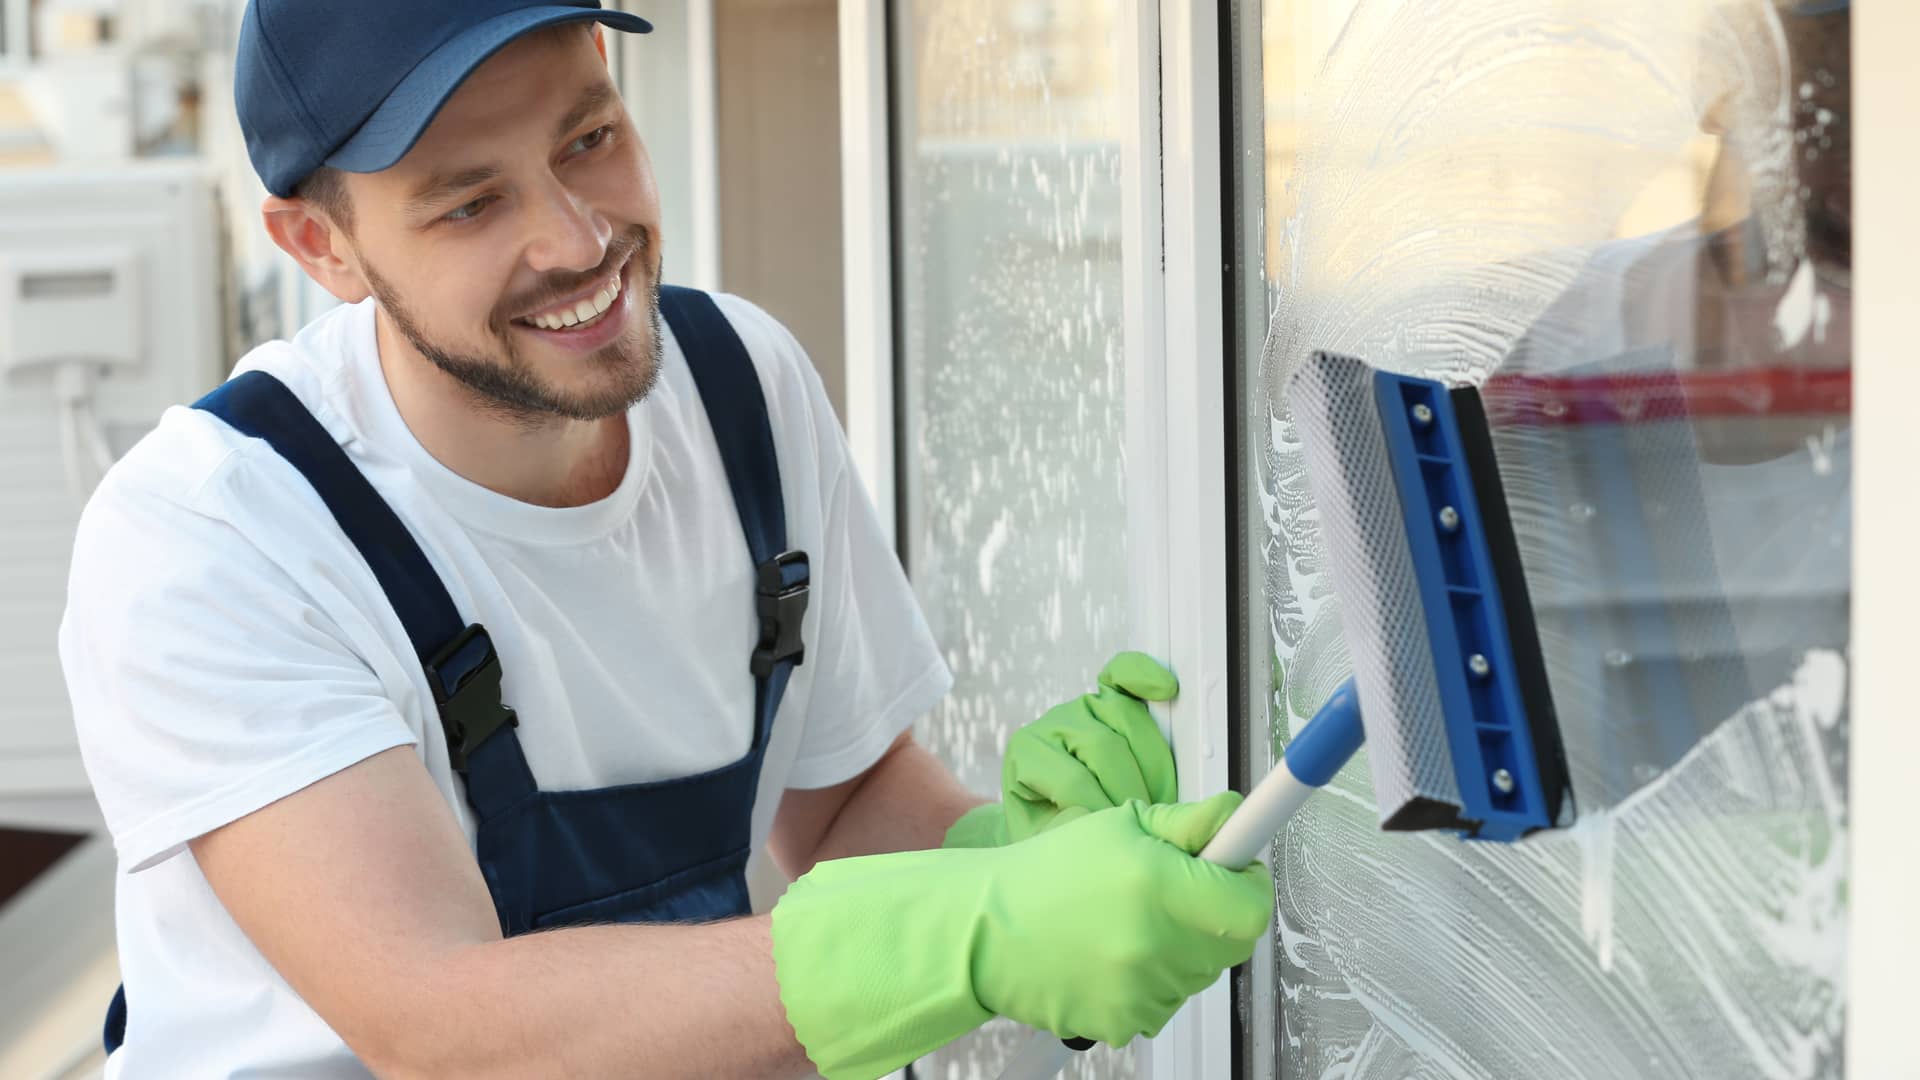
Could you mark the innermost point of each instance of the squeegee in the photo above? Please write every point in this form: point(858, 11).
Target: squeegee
point(1450, 689)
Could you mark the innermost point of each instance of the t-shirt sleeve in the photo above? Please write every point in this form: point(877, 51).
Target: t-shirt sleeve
point(205, 684)
point(875, 666)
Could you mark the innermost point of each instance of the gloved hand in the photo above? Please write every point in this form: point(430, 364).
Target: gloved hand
point(1098, 750)
point(1093, 752)
point(1100, 928)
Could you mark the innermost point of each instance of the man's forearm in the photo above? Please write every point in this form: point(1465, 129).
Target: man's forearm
point(695, 1001)
point(907, 802)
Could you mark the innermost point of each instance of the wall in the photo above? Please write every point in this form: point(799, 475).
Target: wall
point(777, 62)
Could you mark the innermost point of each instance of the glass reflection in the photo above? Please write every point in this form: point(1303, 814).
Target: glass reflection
point(1629, 222)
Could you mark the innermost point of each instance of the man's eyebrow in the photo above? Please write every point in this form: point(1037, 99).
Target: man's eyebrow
point(439, 186)
point(597, 97)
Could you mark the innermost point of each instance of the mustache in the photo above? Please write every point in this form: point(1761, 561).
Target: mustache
point(636, 240)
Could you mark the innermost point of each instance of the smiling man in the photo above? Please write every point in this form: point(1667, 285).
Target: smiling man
point(438, 672)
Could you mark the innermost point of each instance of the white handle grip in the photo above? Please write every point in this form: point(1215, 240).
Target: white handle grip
point(1252, 827)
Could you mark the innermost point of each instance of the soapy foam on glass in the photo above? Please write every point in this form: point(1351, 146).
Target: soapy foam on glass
point(1015, 484)
point(1465, 173)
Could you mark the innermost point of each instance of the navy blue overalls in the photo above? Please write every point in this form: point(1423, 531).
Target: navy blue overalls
point(671, 850)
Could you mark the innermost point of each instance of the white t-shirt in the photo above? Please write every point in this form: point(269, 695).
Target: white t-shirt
point(225, 646)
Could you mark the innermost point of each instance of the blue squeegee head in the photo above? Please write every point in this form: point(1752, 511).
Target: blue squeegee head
point(1460, 727)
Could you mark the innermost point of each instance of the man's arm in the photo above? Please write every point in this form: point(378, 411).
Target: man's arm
point(1095, 751)
point(906, 801)
point(364, 895)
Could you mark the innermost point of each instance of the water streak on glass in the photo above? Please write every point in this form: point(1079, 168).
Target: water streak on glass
point(1629, 222)
point(1013, 483)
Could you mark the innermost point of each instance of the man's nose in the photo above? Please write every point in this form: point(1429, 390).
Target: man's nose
point(567, 233)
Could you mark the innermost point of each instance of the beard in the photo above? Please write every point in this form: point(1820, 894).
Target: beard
point(503, 382)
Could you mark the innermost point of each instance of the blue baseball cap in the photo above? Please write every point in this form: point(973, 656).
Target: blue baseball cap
point(353, 83)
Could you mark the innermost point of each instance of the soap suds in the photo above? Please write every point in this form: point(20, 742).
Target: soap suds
point(1793, 319)
point(1724, 918)
point(1014, 485)
point(1594, 833)
point(1465, 166)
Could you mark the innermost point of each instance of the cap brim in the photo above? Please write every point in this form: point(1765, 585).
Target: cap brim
point(398, 123)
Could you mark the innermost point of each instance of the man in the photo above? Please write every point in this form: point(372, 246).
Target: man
point(434, 628)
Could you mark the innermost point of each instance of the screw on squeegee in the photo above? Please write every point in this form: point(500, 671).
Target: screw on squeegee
point(1478, 664)
point(1503, 781)
point(1449, 518)
point(1422, 414)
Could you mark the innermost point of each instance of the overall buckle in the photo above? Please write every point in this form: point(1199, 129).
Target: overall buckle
point(465, 676)
point(782, 601)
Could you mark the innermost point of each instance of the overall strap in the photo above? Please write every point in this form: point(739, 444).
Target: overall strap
point(458, 657)
point(736, 409)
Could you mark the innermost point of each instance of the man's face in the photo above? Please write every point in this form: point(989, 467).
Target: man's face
point(495, 244)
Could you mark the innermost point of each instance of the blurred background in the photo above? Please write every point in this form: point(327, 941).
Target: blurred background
point(934, 195)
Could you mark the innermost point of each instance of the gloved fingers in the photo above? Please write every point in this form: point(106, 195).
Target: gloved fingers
point(1223, 912)
point(1081, 748)
point(1040, 773)
point(1189, 825)
point(1110, 756)
point(1129, 718)
point(1141, 676)
point(1069, 814)
point(1257, 914)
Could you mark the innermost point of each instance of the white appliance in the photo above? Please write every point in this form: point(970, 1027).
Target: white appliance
point(110, 311)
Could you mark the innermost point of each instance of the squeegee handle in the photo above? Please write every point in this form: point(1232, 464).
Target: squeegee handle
point(1315, 754)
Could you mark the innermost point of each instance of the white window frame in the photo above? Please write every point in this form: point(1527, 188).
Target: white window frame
point(1884, 890)
point(668, 81)
point(1176, 408)
point(866, 171)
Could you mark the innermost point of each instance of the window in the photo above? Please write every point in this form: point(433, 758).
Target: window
point(1635, 219)
point(1012, 487)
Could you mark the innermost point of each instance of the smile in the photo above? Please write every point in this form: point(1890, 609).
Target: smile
point(582, 311)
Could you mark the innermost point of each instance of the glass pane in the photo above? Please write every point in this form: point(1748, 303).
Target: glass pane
point(1012, 376)
point(1629, 220)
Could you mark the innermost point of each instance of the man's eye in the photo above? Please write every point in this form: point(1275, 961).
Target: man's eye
point(470, 210)
point(592, 139)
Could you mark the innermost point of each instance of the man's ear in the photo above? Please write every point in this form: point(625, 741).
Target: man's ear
point(320, 247)
point(600, 42)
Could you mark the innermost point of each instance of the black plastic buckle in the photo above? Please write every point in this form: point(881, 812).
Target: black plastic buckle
point(470, 708)
point(782, 601)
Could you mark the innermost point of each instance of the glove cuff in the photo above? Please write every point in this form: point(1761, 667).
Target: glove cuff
point(875, 967)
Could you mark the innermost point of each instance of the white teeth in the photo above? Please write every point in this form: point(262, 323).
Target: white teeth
point(584, 311)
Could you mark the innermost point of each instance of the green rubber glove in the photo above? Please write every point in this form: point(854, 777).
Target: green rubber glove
point(1098, 750)
point(1099, 928)
point(982, 826)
